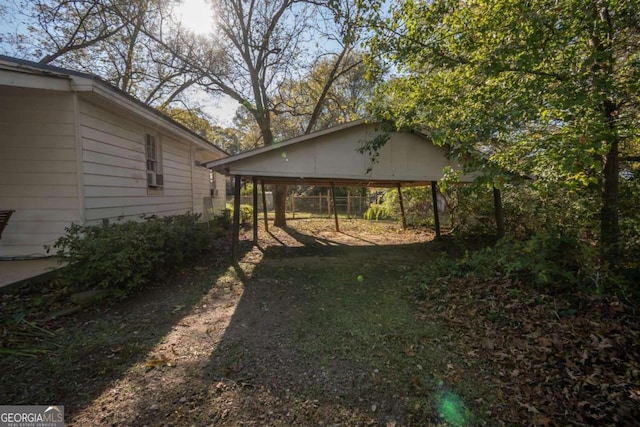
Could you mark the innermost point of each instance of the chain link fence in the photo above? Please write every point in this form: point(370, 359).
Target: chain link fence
point(320, 205)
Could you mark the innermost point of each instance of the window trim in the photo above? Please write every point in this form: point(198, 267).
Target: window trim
point(153, 162)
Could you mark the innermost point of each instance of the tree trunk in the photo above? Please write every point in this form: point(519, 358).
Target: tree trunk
point(280, 191)
point(280, 205)
point(609, 221)
point(602, 69)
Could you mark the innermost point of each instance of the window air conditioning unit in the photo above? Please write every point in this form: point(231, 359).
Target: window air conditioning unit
point(154, 179)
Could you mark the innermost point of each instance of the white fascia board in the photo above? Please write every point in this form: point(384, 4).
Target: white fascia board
point(34, 81)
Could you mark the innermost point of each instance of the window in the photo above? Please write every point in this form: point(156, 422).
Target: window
point(154, 166)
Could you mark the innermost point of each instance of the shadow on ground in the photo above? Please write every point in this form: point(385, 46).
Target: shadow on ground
point(308, 331)
point(317, 333)
point(81, 357)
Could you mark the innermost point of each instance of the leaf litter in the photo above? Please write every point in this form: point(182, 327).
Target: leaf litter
point(504, 354)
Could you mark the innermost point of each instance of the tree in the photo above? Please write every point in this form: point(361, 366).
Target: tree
point(110, 38)
point(266, 44)
point(227, 139)
point(548, 88)
point(299, 109)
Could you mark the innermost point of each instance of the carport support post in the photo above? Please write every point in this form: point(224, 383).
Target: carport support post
point(404, 218)
point(235, 237)
point(497, 204)
point(335, 208)
point(255, 210)
point(264, 207)
point(434, 199)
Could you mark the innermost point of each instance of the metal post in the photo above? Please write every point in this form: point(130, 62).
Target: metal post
point(264, 207)
point(235, 238)
point(255, 211)
point(436, 216)
point(335, 207)
point(293, 204)
point(404, 217)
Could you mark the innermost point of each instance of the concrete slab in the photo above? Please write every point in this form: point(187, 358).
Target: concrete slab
point(18, 272)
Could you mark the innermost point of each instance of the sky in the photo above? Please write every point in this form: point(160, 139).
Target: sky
point(196, 16)
point(193, 14)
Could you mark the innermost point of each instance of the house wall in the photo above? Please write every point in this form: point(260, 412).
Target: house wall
point(219, 202)
point(38, 168)
point(64, 159)
point(114, 169)
point(208, 197)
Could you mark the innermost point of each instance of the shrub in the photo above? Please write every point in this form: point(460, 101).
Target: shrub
point(541, 260)
point(123, 256)
point(246, 212)
point(418, 208)
point(552, 263)
point(378, 212)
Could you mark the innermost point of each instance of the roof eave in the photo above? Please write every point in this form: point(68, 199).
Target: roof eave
point(218, 164)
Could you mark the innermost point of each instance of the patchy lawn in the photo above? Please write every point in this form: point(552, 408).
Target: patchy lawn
point(325, 328)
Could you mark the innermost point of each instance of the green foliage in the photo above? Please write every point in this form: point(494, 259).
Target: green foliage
point(545, 89)
point(630, 221)
point(124, 256)
point(553, 263)
point(247, 189)
point(378, 212)
point(246, 212)
point(540, 260)
point(417, 206)
point(528, 210)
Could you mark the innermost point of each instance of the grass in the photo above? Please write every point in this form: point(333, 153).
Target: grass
point(360, 313)
point(325, 335)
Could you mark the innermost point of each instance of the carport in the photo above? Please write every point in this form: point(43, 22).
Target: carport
point(332, 157)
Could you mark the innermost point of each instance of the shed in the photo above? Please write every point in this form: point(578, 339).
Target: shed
point(74, 149)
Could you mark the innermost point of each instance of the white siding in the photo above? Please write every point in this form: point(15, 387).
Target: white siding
point(219, 202)
point(39, 162)
point(201, 189)
point(38, 168)
point(115, 184)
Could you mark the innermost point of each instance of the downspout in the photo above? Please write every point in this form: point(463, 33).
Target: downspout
point(192, 166)
point(79, 152)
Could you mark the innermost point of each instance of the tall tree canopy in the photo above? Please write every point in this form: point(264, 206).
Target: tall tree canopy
point(114, 39)
point(253, 50)
point(266, 45)
point(298, 109)
point(548, 88)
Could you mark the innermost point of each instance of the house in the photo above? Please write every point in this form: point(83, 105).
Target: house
point(74, 149)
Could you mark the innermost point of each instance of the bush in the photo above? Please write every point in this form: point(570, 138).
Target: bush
point(541, 260)
point(551, 263)
point(418, 208)
point(123, 256)
point(246, 212)
point(528, 209)
point(378, 212)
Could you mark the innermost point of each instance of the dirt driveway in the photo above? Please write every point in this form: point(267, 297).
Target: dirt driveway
point(312, 328)
point(319, 328)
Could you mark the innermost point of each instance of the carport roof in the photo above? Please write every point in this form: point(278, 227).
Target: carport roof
point(332, 156)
